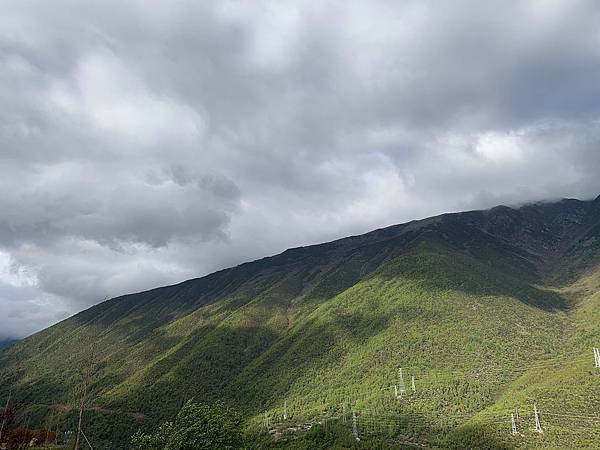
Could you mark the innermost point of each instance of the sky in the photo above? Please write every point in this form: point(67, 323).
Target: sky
point(145, 143)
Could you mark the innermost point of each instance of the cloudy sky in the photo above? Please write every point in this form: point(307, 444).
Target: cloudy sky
point(144, 143)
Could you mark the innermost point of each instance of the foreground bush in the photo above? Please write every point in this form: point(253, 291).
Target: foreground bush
point(197, 426)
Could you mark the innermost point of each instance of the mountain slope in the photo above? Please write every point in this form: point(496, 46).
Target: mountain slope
point(566, 387)
point(464, 302)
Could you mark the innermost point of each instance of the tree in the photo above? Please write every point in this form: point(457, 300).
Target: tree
point(197, 426)
point(156, 441)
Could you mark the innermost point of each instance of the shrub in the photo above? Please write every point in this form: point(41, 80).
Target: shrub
point(196, 427)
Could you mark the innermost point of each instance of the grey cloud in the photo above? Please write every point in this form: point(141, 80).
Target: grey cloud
point(25, 310)
point(110, 206)
point(167, 140)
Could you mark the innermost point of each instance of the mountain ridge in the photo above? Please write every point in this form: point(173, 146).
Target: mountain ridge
point(294, 251)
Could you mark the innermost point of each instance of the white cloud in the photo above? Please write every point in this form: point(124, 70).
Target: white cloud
point(502, 148)
point(117, 102)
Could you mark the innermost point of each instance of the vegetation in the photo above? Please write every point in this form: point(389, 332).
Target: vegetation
point(491, 313)
point(196, 427)
point(17, 438)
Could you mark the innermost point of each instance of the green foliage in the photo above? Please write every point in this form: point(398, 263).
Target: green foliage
point(153, 441)
point(474, 437)
point(196, 427)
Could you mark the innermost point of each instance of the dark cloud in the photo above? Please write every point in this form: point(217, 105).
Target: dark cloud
point(145, 143)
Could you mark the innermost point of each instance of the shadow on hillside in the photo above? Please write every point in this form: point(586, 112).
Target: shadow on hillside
point(434, 435)
point(437, 269)
point(201, 367)
point(476, 437)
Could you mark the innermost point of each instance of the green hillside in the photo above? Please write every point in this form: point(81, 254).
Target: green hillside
point(489, 311)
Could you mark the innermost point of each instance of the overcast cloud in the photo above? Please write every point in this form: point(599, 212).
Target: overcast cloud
point(144, 143)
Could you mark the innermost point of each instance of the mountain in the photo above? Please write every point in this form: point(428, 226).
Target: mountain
point(491, 312)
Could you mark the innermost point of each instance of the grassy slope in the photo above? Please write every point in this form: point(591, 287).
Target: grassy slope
point(566, 389)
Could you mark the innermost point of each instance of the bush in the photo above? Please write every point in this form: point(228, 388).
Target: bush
point(196, 427)
point(156, 441)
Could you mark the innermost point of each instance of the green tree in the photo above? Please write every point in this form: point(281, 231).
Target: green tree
point(156, 441)
point(196, 427)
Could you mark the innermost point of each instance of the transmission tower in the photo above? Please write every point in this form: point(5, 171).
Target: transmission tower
point(355, 426)
point(538, 425)
point(401, 387)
